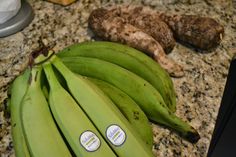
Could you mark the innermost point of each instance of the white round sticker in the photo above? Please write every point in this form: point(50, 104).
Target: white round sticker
point(89, 141)
point(115, 135)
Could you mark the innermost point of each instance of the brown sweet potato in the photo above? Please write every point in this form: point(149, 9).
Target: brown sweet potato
point(114, 28)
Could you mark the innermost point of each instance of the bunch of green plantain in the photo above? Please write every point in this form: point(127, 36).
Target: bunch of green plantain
point(92, 99)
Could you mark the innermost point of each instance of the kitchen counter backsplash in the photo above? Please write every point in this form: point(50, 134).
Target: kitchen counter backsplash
point(199, 92)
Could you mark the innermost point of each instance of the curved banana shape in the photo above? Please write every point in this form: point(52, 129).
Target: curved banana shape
point(79, 131)
point(114, 127)
point(42, 136)
point(18, 90)
point(128, 58)
point(129, 109)
point(145, 95)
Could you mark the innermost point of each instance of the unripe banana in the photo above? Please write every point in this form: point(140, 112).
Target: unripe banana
point(42, 136)
point(145, 95)
point(18, 90)
point(129, 109)
point(131, 59)
point(107, 118)
point(79, 131)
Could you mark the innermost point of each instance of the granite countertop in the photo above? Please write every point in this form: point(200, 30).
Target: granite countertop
point(199, 92)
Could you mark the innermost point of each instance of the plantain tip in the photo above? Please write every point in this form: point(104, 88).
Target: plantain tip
point(192, 137)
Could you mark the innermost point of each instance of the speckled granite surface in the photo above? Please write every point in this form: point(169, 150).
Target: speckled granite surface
point(199, 92)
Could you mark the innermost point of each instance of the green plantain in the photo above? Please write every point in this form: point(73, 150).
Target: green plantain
point(18, 90)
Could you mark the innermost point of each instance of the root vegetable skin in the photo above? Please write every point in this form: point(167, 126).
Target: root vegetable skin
point(201, 32)
point(148, 22)
point(115, 28)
